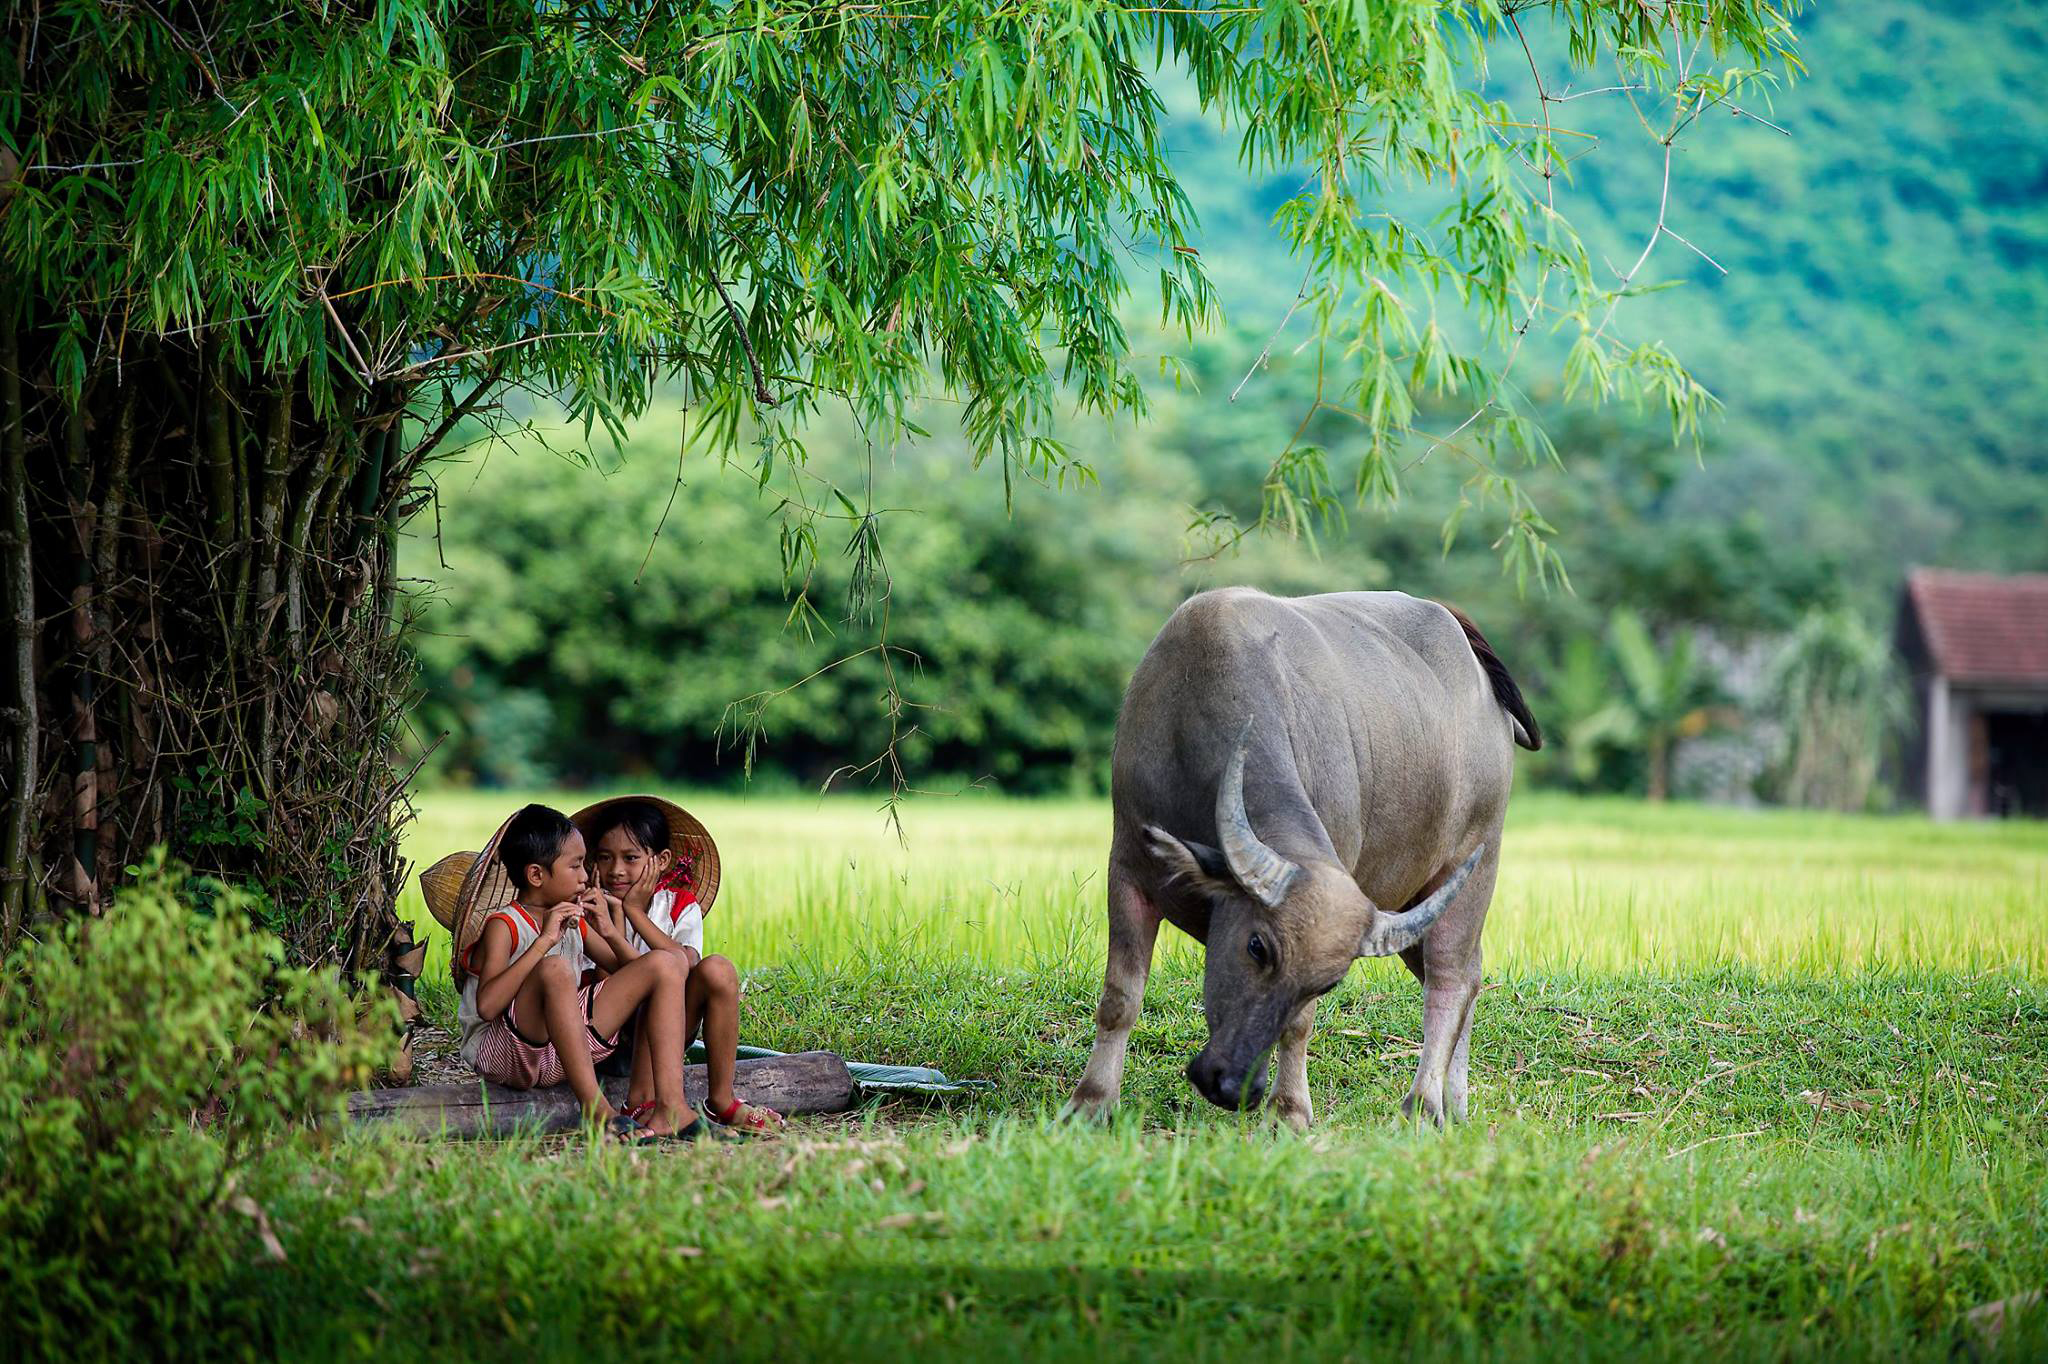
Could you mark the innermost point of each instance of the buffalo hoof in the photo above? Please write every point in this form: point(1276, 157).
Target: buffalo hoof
point(1416, 1107)
point(1294, 1113)
point(1085, 1107)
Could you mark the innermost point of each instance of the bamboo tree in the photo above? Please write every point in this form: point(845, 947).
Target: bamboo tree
point(1835, 683)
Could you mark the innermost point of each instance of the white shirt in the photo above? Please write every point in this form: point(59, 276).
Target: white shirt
point(681, 918)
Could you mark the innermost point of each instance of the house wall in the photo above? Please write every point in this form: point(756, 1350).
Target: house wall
point(1948, 772)
point(1916, 750)
point(1954, 732)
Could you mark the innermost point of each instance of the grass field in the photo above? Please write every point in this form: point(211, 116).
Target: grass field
point(1746, 1085)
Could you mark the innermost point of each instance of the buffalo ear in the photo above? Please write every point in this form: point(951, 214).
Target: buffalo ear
point(1198, 864)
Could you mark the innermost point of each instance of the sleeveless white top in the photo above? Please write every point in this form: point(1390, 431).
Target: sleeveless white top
point(525, 930)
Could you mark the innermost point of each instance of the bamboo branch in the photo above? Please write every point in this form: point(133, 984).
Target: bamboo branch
point(362, 366)
point(761, 393)
point(455, 415)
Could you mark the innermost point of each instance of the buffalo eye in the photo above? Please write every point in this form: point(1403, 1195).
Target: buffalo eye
point(1261, 954)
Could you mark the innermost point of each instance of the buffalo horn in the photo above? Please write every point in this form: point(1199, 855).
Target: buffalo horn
point(1391, 933)
point(1261, 871)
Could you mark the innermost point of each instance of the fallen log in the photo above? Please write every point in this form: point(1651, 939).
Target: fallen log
point(801, 1082)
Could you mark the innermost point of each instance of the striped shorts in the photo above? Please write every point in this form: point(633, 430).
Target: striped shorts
point(506, 1058)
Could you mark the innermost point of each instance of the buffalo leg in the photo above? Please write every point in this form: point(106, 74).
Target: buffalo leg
point(1457, 1079)
point(1451, 967)
point(1290, 1102)
point(1446, 1003)
point(1133, 930)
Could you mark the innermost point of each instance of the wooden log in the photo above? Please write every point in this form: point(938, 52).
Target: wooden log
point(802, 1082)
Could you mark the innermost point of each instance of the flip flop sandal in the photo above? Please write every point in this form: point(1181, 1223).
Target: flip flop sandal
point(640, 1113)
point(753, 1119)
point(702, 1129)
point(630, 1133)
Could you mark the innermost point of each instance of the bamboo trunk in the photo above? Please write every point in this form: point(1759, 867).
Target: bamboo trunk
point(320, 474)
point(82, 875)
point(22, 768)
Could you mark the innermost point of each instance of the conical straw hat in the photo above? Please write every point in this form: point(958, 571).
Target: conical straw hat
point(687, 839)
point(483, 890)
point(441, 884)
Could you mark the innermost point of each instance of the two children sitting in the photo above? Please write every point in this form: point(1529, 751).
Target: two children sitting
point(592, 948)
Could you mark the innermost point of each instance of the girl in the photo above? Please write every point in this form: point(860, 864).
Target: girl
point(652, 860)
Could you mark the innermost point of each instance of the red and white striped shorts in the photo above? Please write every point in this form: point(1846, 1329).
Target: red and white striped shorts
point(508, 1059)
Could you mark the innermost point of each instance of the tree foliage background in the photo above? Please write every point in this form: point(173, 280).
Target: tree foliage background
point(262, 261)
point(1883, 254)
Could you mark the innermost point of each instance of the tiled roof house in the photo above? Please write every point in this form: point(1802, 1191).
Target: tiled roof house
point(1976, 645)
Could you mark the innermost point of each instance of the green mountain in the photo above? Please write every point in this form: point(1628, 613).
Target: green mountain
point(1877, 338)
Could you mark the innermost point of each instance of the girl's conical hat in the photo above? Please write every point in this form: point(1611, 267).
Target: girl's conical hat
point(687, 839)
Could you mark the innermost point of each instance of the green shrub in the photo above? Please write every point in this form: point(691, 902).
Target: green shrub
point(145, 1057)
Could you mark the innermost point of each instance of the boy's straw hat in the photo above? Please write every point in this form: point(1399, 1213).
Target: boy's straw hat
point(687, 839)
point(464, 889)
point(441, 884)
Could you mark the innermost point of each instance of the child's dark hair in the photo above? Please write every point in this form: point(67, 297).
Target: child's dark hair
point(535, 835)
point(641, 819)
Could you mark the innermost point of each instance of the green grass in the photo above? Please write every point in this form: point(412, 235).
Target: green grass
point(1746, 1086)
point(1009, 1239)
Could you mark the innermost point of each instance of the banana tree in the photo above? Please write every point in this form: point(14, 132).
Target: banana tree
point(1583, 721)
point(1670, 695)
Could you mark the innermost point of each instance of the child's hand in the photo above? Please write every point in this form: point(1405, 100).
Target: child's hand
point(602, 910)
point(553, 922)
point(641, 893)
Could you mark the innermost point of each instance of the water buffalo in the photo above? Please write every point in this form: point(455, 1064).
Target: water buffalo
point(1288, 769)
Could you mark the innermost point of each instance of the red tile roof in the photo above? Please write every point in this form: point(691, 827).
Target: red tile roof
point(1981, 627)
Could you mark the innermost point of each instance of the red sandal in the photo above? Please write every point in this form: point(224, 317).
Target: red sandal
point(746, 1117)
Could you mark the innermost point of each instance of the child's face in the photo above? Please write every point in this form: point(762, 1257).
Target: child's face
point(625, 866)
point(564, 880)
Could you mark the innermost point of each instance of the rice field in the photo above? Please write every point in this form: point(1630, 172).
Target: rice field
point(1585, 885)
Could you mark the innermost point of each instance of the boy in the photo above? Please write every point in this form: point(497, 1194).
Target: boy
point(532, 1011)
point(651, 905)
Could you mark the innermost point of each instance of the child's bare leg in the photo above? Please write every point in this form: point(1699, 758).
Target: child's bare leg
point(563, 1007)
point(712, 1001)
point(655, 980)
point(640, 1089)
